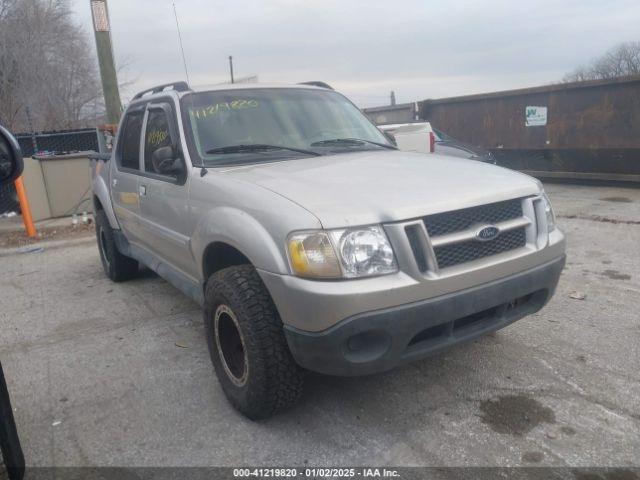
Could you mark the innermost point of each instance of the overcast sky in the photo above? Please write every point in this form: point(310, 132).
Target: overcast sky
point(366, 48)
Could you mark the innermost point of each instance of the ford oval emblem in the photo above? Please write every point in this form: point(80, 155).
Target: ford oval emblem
point(487, 233)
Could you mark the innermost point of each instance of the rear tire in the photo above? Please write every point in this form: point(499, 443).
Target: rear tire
point(117, 267)
point(247, 344)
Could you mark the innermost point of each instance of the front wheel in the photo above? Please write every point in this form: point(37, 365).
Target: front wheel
point(247, 345)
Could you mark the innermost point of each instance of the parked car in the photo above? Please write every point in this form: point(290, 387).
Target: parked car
point(12, 461)
point(421, 137)
point(449, 146)
point(311, 242)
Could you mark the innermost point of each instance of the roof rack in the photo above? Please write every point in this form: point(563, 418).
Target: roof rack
point(317, 83)
point(177, 86)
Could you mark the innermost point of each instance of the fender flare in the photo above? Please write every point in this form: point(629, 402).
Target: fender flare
point(101, 192)
point(244, 233)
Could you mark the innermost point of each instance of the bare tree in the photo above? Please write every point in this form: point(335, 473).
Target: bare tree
point(620, 61)
point(46, 66)
point(9, 66)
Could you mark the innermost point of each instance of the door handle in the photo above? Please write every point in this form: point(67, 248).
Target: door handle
point(142, 190)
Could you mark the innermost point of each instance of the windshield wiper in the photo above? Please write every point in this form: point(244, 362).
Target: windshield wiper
point(256, 147)
point(351, 141)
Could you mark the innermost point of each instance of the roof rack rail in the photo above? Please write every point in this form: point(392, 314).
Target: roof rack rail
point(177, 86)
point(317, 83)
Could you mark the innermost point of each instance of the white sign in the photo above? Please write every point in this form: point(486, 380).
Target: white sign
point(100, 15)
point(535, 116)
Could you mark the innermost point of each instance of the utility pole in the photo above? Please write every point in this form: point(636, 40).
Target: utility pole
point(102, 30)
point(231, 67)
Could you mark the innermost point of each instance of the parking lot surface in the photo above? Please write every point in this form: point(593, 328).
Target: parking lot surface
point(119, 374)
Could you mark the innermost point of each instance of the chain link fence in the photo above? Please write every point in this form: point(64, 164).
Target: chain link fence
point(59, 142)
point(8, 200)
point(47, 143)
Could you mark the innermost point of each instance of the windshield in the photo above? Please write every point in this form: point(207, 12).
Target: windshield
point(249, 125)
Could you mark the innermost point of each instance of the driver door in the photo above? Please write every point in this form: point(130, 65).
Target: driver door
point(125, 173)
point(163, 189)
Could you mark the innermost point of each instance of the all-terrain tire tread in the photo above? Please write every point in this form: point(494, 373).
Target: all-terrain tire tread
point(119, 267)
point(281, 382)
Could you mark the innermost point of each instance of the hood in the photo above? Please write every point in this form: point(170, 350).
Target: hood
point(384, 186)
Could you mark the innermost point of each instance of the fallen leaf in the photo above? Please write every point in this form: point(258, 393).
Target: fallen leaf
point(181, 345)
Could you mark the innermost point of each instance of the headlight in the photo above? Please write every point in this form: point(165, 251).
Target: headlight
point(364, 251)
point(548, 210)
point(312, 255)
point(347, 253)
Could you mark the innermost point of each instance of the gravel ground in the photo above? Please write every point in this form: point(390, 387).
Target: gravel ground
point(119, 374)
point(19, 238)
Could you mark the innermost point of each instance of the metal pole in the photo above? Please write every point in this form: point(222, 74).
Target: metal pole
point(231, 67)
point(102, 30)
point(25, 208)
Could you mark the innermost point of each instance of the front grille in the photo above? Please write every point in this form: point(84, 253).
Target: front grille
point(456, 253)
point(413, 232)
point(457, 220)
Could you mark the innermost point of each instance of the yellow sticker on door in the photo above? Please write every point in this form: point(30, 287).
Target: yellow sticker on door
point(129, 198)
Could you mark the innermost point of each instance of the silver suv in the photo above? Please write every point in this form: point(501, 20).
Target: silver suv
point(312, 242)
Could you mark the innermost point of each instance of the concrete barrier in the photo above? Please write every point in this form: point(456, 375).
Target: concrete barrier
point(56, 185)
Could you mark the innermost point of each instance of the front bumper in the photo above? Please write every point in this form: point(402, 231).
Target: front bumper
point(315, 306)
point(382, 339)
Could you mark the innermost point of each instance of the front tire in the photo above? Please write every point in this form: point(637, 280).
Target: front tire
point(117, 267)
point(247, 345)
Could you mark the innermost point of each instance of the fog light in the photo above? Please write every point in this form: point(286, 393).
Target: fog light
point(367, 346)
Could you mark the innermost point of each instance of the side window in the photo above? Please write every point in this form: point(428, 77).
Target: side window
point(157, 137)
point(130, 142)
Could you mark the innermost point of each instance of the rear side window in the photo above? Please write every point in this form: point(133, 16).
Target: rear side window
point(130, 142)
point(157, 136)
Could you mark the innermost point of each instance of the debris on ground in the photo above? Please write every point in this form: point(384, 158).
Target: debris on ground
point(31, 249)
point(181, 345)
point(578, 295)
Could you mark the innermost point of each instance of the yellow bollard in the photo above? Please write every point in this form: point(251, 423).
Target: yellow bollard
point(25, 208)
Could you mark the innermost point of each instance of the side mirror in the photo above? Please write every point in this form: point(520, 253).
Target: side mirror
point(11, 164)
point(165, 161)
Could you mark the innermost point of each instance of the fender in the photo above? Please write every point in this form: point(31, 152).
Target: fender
point(241, 231)
point(100, 173)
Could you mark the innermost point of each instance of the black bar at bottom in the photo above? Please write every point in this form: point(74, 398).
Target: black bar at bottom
point(9, 441)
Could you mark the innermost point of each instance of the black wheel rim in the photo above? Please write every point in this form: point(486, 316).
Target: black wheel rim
point(231, 346)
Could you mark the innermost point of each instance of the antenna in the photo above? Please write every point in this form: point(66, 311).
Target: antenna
point(184, 60)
